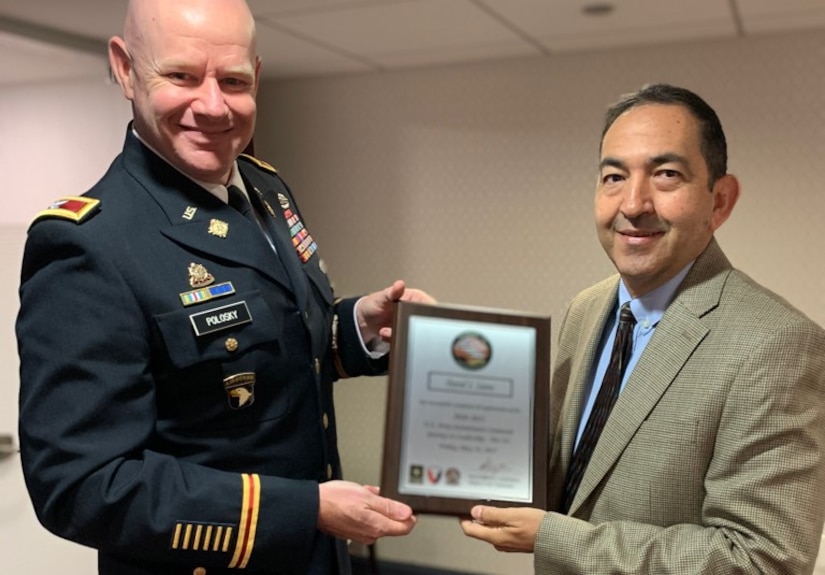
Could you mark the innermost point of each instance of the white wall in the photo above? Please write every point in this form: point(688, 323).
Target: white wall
point(55, 140)
point(476, 183)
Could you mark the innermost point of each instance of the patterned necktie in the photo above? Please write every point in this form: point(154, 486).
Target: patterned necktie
point(608, 393)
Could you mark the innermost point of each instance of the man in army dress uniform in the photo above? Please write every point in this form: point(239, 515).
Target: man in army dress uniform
point(177, 355)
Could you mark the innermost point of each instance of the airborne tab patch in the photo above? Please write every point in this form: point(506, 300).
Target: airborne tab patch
point(74, 208)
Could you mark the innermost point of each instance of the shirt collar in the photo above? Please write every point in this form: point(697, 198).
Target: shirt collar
point(649, 308)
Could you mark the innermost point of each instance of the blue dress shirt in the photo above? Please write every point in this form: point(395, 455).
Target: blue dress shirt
point(648, 310)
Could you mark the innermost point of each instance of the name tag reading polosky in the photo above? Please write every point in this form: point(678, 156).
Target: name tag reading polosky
point(220, 318)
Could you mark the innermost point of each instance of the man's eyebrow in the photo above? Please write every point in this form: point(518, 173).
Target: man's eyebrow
point(668, 158)
point(609, 161)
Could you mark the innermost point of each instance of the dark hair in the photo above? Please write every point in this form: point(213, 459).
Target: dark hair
point(712, 138)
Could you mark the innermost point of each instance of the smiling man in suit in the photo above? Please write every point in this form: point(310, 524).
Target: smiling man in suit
point(179, 337)
point(710, 455)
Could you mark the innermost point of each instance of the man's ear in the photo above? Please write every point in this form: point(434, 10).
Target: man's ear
point(725, 193)
point(120, 64)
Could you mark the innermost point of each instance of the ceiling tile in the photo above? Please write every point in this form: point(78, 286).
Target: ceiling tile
point(456, 54)
point(284, 7)
point(285, 55)
point(561, 25)
point(92, 18)
point(773, 16)
point(316, 37)
point(397, 29)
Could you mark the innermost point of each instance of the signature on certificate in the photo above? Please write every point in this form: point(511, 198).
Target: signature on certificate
point(491, 466)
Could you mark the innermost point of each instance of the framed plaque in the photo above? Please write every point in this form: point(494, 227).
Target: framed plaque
point(467, 409)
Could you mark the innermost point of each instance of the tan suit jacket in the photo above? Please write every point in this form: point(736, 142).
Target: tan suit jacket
point(713, 459)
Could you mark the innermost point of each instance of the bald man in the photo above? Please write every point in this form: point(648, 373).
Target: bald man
point(177, 348)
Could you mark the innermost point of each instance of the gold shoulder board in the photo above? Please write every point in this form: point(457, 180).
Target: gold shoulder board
point(260, 163)
point(73, 208)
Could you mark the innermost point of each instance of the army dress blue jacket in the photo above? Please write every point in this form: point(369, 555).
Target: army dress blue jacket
point(176, 376)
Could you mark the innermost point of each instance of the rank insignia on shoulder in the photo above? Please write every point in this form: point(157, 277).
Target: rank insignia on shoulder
point(260, 163)
point(74, 208)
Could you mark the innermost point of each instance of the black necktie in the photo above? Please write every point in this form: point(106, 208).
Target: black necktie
point(608, 393)
point(252, 208)
point(248, 209)
point(238, 200)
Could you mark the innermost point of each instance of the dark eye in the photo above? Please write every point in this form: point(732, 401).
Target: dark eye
point(612, 178)
point(178, 76)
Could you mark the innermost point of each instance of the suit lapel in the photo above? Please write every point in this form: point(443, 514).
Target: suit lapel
point(593, 322)
point(677, 336)
point(675, 339)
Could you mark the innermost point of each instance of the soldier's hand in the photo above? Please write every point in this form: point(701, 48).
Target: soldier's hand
point(351, 511)
point(374, 311)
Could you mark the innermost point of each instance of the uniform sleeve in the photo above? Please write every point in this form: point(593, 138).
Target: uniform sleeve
point(762, 511)
point(350, 358)
point(87, 419)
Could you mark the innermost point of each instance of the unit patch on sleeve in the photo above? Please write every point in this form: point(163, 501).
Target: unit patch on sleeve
point(73, 208)
point(240, 389)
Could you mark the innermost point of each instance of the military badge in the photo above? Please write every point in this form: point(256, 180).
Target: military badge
point(283, 200)
point(199, 277)
point(240, 389)
point(218, 228)
point(189, 213)
point(303, 243)
point(207, 293)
